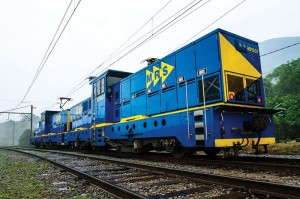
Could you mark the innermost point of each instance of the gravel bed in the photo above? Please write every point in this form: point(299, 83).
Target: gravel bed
point(153, 186)
point(270, 156)
point(59, 184)
point(291, 179)
point(149, 185)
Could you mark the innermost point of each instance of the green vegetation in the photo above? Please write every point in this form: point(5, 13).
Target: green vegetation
point(24, 138)
point(289, 148)
point(17, 127)
point(282, 87)
point(17, 178)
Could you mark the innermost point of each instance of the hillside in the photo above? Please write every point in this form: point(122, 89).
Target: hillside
point(269, 62)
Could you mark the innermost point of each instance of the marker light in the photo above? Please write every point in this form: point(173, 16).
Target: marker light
point(259, 100)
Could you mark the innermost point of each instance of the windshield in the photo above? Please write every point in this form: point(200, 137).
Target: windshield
point(253, 90)
point(243, 89)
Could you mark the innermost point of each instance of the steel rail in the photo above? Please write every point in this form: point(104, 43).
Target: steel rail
point(109, 187)
point(285, 165)
point(267, 159)
point(248, 159)
point(260, 187)
point(233, 164)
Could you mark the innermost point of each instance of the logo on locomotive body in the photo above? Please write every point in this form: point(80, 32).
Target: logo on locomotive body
point(58, 118)
point(78, 110)
point(157, 74)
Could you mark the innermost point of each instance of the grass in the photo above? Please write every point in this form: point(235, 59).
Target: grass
point(289, 148)
point(17, 178)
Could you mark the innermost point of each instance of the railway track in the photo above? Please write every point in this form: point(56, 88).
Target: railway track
point(252, 163)
point(238, 163)
point(135, 180)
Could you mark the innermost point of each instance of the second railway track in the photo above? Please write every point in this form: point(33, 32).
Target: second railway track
point(136, 180)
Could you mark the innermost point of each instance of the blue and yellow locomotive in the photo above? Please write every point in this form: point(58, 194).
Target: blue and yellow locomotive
point(208, 95)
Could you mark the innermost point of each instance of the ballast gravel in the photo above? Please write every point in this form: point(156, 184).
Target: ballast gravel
point(59, 183)
point(277, 177)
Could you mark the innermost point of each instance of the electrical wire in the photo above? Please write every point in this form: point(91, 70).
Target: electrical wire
point(280, 49)
point(210, 25)
point(271, 52)
point(162, 24)
point(44, 60)
point(81, 83)
point(159, 31)
point(41, 64)
point(16, 108)
point(146, 40)
point(151, 19)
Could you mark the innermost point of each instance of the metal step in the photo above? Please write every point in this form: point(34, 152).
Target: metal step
point(200, 137)
point(198, 112)
point(199, 125)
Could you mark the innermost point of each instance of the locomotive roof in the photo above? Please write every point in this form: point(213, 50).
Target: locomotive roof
point(112, 73)
point(218, 30)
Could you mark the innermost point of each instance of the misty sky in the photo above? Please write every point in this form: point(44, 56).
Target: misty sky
point(98, 28)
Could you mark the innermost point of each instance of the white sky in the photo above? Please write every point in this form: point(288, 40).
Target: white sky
point(98, 28)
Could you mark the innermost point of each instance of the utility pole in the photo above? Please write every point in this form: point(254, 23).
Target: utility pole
point(13, 140)
point(31, 121)
point(26, 115)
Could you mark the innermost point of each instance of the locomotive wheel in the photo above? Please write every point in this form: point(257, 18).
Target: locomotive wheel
point(211, 152)
point(179, 152)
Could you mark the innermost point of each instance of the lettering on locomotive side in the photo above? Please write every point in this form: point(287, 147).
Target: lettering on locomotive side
point(157, 74)
point(254, 50)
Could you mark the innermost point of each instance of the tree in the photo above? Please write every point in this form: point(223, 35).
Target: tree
point(282, 88)
point(24, 139)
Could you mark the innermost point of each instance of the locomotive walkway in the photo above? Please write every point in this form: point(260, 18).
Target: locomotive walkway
point(133, 180)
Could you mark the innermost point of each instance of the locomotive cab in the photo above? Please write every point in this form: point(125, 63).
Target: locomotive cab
point(105, 103)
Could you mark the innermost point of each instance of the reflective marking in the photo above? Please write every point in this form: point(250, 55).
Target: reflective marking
point(200, 137)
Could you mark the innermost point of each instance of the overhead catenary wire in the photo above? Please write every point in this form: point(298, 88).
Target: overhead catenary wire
point(16, 108)
point(82, 82)
point(154, 34)
point(229, 11)
point(160, 30)
point(151, 36)
point(85, 79)
point(50, 44)
point(48, 52)
point(135, 33)
point(274, 51)
point(280, 49)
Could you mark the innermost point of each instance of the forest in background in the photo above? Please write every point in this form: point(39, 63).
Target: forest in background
point(282, 89)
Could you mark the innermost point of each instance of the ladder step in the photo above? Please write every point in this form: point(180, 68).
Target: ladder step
point(198, 112)
point(200, 137)
point(199, 125)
